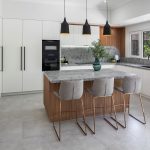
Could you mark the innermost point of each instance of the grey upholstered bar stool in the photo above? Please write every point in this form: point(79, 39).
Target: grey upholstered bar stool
point(131, 85)
point(70, 90)
point(102, 88)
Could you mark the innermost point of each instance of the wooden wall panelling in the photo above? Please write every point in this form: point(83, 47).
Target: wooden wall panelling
point(116, 39)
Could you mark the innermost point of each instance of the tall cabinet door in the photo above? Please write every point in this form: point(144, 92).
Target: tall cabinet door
point(1, 59)
point(12, 42)
point(32, 42)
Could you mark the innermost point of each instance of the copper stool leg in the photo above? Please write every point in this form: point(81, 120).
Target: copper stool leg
point(143, 122)
point(83, 115)
point(114, 111)
point(124, 113)
point(58, 133)
point(93, 108)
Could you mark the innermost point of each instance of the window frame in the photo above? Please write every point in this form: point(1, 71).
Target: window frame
point(146, 30)
point(140, 33)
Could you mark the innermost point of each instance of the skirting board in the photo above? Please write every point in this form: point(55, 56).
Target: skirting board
point(20, 93)
point(146, 96)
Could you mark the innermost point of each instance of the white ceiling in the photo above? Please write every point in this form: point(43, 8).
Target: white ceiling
point(113, 4)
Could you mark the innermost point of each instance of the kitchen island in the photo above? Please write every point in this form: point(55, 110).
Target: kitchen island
point(52, 81)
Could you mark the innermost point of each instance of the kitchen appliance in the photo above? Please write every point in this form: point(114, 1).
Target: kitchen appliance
point(50, 55)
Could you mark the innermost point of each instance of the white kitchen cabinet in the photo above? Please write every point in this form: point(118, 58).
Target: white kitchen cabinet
point(68, 39)
point(51, 30)
point(76, 38)
point(12, 42)
point(0, 56)
point(22, 46)
point(32, 43)
point(146, 82)
point(143, 73)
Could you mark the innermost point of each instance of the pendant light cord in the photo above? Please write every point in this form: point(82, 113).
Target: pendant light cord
point(107, 9)
point(86, 9)
point(64, 8)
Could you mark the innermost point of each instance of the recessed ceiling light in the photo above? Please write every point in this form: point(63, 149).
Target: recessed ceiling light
point(105, 1)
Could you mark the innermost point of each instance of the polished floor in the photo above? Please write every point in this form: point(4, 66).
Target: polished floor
point(24, 126)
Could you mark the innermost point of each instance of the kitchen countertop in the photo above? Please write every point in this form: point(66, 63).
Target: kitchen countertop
point(84, 64)
point(86, 75)
point(140, 66)
point(134, 65)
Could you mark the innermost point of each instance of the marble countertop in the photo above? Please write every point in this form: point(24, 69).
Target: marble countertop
point(84, 64)
point(86, 75)
point(140, 66)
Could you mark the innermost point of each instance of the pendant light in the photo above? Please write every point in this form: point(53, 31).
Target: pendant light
point(107, 28)
point(64, 24)
point(86, 26)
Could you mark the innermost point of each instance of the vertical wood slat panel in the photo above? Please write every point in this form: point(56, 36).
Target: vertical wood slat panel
point(51, 103)
point(116, 39)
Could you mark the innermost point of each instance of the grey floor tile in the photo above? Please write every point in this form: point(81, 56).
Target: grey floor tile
point(24, 125)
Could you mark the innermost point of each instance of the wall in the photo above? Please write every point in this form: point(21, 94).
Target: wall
point(134, 28)
point(52, 12)
point(133, 9)
point(0, 8)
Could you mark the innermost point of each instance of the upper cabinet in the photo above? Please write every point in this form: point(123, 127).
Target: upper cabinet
point(76, 38)
point(51, 30)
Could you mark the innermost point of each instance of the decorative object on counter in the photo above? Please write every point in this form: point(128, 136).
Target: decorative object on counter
point(107, 28)
point(99, 52)
point(86, 26)
point(64, 24)
point(117, 58)
point(64, 60)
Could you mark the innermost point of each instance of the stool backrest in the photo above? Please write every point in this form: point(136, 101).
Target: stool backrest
point(103, 87)
point(132, 84)
point(71, 90)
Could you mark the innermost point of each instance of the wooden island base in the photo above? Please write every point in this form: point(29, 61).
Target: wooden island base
point(68, 107)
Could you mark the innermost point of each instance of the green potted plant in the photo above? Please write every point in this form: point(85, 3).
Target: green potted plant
point(99, 52)
point(147, 51)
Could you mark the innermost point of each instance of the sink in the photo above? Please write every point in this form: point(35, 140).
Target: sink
point(146, 66)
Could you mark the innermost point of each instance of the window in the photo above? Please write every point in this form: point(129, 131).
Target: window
point(146, 44)
point(135, 44)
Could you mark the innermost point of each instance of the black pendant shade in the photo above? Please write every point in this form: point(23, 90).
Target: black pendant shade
point(107, 29)
point(64, 27)
point(86, 28)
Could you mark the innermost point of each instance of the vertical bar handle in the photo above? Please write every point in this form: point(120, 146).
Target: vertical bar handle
point(2, 69)
point(21, 59)
point(24, 58)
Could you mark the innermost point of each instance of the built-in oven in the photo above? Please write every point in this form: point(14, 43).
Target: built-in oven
point(50, 55)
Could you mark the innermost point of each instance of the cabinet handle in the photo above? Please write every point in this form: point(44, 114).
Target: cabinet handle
point(24, 58)
point(2, 69)
point(21, 59)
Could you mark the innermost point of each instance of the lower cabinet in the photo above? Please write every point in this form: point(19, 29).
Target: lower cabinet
point(143, 73)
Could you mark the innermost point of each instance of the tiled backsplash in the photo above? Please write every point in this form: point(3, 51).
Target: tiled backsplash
point(136, 61)
point(83, 54)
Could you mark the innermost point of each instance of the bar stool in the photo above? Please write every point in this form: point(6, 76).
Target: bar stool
point(70, 90)
point(131, 85)
point(102, 88)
